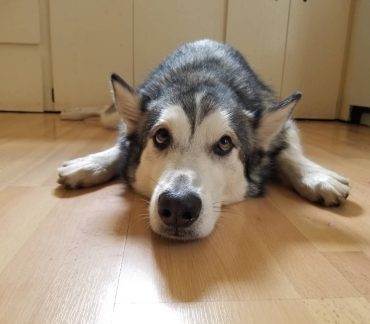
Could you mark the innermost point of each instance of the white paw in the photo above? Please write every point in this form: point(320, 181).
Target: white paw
point(323, 186)
point(84, 172)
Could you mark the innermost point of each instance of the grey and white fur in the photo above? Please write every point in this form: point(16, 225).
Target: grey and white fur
point(201, 132)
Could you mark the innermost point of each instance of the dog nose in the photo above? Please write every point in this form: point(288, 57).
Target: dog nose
point(179, 209)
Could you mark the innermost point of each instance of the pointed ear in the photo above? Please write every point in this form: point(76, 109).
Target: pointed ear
point(274, 119)
point(127, 102)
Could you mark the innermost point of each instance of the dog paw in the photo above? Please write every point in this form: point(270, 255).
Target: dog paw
point(83, 172)
point(324, 187)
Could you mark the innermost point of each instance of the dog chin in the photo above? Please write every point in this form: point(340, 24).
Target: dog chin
point(182, 234)
point(179, 235)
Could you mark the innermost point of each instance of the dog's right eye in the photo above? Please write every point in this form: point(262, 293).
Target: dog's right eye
point(162, 138)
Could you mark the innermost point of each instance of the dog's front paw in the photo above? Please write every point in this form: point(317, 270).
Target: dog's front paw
point(323, 186)
point(82, 172)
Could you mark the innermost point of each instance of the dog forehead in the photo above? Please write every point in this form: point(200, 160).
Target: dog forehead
point(214, 125)
point(203, 127)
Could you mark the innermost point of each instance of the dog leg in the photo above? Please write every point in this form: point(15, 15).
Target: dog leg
point(309, 179)
point(89, 170)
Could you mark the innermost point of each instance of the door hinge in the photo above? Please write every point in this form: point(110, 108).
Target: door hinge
point(52, 95)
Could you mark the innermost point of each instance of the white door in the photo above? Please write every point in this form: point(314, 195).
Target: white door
point(90, 39)
point(258, 28)
point(22, 80)
point(162, 25)
point(357, 86)
point(315, 51)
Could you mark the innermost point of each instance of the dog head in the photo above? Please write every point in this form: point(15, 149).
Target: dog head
point(189, 151)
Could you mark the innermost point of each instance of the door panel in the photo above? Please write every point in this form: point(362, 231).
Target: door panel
point(357, 87)
point(19, 21)
point(21, 86)
point(161, 26)
point(21, 81)
point(90, 39)
point(314, 56)
point(257, 28)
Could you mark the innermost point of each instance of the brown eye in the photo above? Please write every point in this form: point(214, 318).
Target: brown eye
point(162, 138)
point(223, 146)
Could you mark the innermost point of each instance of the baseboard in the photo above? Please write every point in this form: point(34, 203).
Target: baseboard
point(359, 115)
point(80, 113)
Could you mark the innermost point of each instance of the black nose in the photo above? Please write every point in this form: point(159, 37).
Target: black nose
point(179, 209)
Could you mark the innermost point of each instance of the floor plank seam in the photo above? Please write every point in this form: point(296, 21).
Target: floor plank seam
point(123, 254)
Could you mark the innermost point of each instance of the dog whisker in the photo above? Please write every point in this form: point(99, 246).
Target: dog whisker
point(145, 200)
point(141, 218)
point(156, 182)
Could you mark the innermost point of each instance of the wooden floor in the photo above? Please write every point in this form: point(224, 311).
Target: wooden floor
point(89, 256)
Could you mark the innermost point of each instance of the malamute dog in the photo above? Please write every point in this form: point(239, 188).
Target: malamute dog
point(201, 132)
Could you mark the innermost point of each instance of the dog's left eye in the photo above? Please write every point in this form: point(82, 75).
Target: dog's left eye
point(223, 146)
point(162, 138)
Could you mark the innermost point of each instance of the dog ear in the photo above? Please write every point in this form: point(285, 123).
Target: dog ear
point(127, 102)
point(274, 119)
